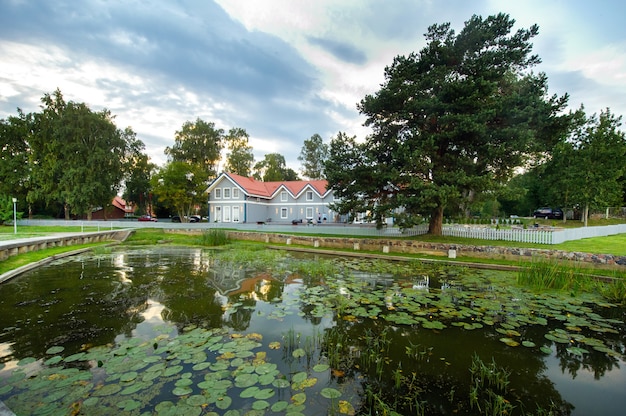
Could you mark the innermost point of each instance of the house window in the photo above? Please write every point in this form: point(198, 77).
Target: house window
point(226, 214)
point(226, 193)
point(283, 213)
point(236, 214)
point(309, 196)
point(309, 212)
point(235, 193)
point(283, 196)
point(218, 193)
point(218, 214)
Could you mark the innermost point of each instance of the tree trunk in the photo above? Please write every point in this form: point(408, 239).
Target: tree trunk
point(435, 227)
point(66, 210)
point(586, 214)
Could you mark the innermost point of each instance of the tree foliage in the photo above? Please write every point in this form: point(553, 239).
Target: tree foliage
point(450, 122)
point(586, 170)
point(14, 155)
point(181, 187)
point(199, 144)
point(274, 168)
point(239, 158)
point(313, 156)
point(77, 156)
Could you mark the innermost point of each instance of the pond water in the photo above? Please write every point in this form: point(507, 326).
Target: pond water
point(183, 331)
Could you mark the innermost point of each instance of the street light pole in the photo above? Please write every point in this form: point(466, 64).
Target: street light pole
point(14, 215)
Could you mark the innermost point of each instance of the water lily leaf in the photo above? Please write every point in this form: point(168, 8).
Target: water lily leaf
point(510, 342)
point(266, 379)
point(108, 390)
point(132, 389)
point(55, 350)
point(223, 403)
point(279, 406)
point(346, 408)
point(546, 350)
point(320, 368)
point(75, 357)
point(246, 380)
point(298, 398)
point(53, 360)
point(577, 351)
point(260, 405)
point(129, 405)
point(528, 344)
point(299, 352)
point(281, 383)
point(182, 391)
point(170, 371)
point(433, 325)
point(264, 394)
point(130, 376)
point(274, 345)
point(299, 377)
point(249, 392)
point(196, 400)
point(330, 393)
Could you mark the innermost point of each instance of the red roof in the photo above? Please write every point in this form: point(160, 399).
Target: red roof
point(266, 189)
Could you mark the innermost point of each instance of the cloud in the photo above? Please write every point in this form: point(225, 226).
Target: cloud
point(340, 50)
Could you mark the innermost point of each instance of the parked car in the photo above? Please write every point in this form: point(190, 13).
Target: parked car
point(192, 218)
point(548, 213)
point(147, 218)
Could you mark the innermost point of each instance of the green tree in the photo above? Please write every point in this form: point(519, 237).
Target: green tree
point(14, 155)
point(239, 158)
point(181, 187)
point(454, 121)
point(313, 156)
point(274, 168)
point(198, 143)
point(137, 189)
point(586, 170)
point(77, 155)
point(6, 210)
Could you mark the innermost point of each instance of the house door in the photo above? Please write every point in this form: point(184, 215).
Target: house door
point(218, 214)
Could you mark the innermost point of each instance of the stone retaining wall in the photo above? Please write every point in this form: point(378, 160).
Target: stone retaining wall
point(417, 247)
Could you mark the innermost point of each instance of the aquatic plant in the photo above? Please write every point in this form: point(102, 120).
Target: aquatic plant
point(543, 274)
point(214, 237)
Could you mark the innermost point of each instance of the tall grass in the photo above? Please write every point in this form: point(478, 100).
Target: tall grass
point(549, 274)
point(214, 237)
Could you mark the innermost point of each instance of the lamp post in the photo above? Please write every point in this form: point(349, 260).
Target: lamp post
point(14, 215)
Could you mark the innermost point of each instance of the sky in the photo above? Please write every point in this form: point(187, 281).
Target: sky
point(283, 70)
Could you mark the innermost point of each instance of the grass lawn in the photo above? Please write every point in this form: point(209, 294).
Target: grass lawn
point(615, 245)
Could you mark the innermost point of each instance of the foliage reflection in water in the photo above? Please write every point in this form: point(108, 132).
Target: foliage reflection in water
point(186, 331)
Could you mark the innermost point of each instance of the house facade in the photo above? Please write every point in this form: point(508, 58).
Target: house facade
point(239, 199)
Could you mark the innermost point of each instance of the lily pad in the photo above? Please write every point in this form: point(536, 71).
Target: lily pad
point(55, 350)
point(298, 398)
point(330, 393)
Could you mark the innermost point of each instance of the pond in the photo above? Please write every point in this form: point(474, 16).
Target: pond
point(185, 331)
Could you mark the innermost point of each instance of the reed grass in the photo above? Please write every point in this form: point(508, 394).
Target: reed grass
point(214, 237)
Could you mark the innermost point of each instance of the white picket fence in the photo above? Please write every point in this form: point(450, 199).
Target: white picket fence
point(532, 235)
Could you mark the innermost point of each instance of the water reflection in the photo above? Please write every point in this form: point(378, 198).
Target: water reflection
point(99, 300)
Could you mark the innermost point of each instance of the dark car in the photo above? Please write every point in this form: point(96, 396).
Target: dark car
point(175, 218)
point(147, 218)
point(548, 213)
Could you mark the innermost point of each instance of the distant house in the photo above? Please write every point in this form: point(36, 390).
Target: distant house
point(117, 210)
point(234, 198)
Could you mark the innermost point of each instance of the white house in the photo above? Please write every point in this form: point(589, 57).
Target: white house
point(235, 198)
